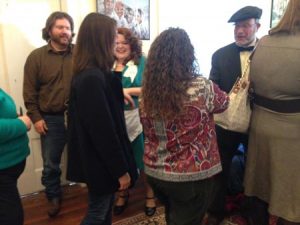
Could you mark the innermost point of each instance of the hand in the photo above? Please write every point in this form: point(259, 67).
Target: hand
point(25, 119)
point(128, 99)
point(41, 127)
point(124, 182)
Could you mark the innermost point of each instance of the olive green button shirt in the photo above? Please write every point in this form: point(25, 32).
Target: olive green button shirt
point(47, 80)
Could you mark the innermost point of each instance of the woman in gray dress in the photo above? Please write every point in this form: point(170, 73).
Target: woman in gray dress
point(273, 159)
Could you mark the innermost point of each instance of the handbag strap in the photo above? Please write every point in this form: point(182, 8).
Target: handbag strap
point(246, 69)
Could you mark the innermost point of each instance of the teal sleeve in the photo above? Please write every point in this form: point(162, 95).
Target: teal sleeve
point(10, 129)
point(139, 77)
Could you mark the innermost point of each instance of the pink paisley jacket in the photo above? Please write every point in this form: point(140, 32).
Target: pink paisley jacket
point(185, 148)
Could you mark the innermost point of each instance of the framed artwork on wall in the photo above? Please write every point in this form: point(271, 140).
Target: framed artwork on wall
point(133, 14)
point(277, 9)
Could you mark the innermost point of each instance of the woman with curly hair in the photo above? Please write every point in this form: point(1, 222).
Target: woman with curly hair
point(130, 62)
point(177, 105)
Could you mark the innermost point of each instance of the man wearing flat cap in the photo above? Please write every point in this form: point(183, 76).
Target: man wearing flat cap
point(227, 64)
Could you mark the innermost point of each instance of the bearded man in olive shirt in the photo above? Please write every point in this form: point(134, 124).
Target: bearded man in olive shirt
point(47, 79)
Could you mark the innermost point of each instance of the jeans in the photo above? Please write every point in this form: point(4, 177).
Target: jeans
point(53, 144)
point(236, 177)
point(99, 210)
point(228, 143)
point(11, 210)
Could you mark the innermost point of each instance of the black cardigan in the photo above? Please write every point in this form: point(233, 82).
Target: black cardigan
point(99, 150)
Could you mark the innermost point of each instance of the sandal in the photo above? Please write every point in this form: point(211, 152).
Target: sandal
point(119, 209)
point(149, 210)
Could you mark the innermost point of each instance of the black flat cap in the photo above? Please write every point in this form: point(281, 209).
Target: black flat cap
point(245, 13)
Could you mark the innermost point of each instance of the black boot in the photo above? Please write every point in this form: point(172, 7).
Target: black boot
point(254, 211)
point(54, 207)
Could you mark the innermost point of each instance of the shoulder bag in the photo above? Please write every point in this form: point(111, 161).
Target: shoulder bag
point(237, 116)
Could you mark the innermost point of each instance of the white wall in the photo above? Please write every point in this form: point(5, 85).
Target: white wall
point(206, 23)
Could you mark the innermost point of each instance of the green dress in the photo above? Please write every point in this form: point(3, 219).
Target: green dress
point(132, 77)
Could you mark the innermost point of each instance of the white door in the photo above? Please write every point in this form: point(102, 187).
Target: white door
point(21, 23)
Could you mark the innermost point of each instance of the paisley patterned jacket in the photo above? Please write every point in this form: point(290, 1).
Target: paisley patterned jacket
point(185, 148)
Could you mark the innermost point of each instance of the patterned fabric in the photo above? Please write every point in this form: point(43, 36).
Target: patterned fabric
point(185, 148)
point(159, 219)
point(142, 219)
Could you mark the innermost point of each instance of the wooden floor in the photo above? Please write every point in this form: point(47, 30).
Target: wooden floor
point(74, 206)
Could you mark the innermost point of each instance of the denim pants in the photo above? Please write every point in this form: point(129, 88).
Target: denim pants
point(228, 143)
point(53, 144)
point(99, 210)
point(11, 210)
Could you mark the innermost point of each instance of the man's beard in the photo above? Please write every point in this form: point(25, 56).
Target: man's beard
point(62, 40)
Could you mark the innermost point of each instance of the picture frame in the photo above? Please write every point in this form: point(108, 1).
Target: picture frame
point(277, 9)
point(132, 14)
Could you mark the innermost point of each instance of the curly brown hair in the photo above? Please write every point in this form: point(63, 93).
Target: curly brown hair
point(135, 45)
point(170, 68)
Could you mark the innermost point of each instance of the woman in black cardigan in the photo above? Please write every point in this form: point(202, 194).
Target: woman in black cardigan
point(98, 147)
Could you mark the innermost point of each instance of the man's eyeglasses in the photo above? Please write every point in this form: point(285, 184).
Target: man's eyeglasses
point(244, 26)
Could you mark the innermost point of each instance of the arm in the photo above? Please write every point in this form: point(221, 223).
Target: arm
point(31, 88)
point(215, 72)
point(31, 94)
point(128, 99)
point(13, 128)
point(218, 100)
point(133, 91)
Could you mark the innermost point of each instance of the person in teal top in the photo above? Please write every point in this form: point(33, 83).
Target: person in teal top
point(131, 62)
point(13, 152)
point(132, 79)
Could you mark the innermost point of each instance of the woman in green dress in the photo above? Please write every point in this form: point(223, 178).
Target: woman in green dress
point(131, 62)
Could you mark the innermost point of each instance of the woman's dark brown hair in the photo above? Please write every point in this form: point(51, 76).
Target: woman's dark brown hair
point(51, 21)
point(94, 45)
point(135, 45)
point(170, 68)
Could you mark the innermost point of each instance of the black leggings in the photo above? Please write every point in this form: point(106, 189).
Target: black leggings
point(11, 210)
